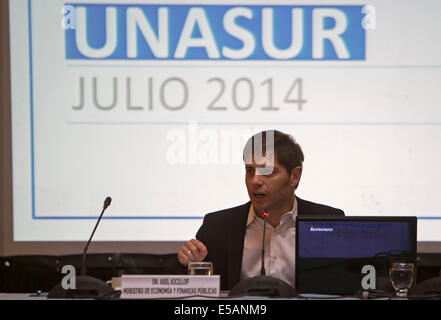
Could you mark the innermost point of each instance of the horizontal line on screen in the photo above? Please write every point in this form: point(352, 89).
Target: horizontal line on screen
point(261, 123)
point(248, 65)
point(119, 218)
point(168, 218)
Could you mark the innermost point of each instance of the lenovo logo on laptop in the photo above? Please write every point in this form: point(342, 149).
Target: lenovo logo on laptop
point(317, 229)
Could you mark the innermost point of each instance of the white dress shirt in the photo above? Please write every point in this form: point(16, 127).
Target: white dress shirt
point(279, 247)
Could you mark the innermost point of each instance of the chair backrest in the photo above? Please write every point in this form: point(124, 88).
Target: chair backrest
point(21, 274)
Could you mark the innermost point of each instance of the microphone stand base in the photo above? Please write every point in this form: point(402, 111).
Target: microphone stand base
point(86, 287)
point(264, 286)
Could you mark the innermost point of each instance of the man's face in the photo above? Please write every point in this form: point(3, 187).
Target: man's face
point(274, 191)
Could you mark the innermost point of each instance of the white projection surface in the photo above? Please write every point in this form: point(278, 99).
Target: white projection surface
point(150, 103)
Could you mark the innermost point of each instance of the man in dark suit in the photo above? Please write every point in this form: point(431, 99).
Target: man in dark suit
point(231, 239)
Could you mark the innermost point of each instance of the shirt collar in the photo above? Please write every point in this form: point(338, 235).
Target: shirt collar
point(292, 213)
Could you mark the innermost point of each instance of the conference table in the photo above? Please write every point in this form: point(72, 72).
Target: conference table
point(222, 297)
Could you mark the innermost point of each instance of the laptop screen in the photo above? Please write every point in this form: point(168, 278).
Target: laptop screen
point(331, 251)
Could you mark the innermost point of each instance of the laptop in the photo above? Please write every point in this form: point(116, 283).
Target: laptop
point(331, 251)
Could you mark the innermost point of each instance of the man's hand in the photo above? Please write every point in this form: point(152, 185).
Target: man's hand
point(192, 251)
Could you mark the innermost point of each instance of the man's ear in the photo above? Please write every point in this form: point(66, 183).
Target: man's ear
point(296, 174)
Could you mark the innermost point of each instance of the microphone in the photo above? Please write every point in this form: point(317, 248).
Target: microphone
point(106, 204)
point(265, 218)
point(85, 286)
point(263, 285)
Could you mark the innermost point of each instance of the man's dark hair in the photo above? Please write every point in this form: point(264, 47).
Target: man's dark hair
point(287, 151)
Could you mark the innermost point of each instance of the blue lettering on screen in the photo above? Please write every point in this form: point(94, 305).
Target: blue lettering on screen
point(215, 32)
point(353, 239)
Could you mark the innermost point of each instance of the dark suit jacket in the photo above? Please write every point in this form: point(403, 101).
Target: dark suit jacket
point(223, 233)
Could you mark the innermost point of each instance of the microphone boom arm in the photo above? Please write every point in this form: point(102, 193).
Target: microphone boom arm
point(106, 204)
point(265, 218)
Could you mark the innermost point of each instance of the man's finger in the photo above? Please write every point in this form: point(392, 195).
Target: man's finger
point(201, 247)
point(183, 259)
point(196, 249)
point(192, 251)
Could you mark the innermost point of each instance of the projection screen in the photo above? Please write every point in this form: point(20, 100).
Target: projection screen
point(151, 102)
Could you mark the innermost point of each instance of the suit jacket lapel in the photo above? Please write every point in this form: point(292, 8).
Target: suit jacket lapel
point(236, 235)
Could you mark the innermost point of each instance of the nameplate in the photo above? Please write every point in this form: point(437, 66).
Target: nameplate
point(168, 286)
